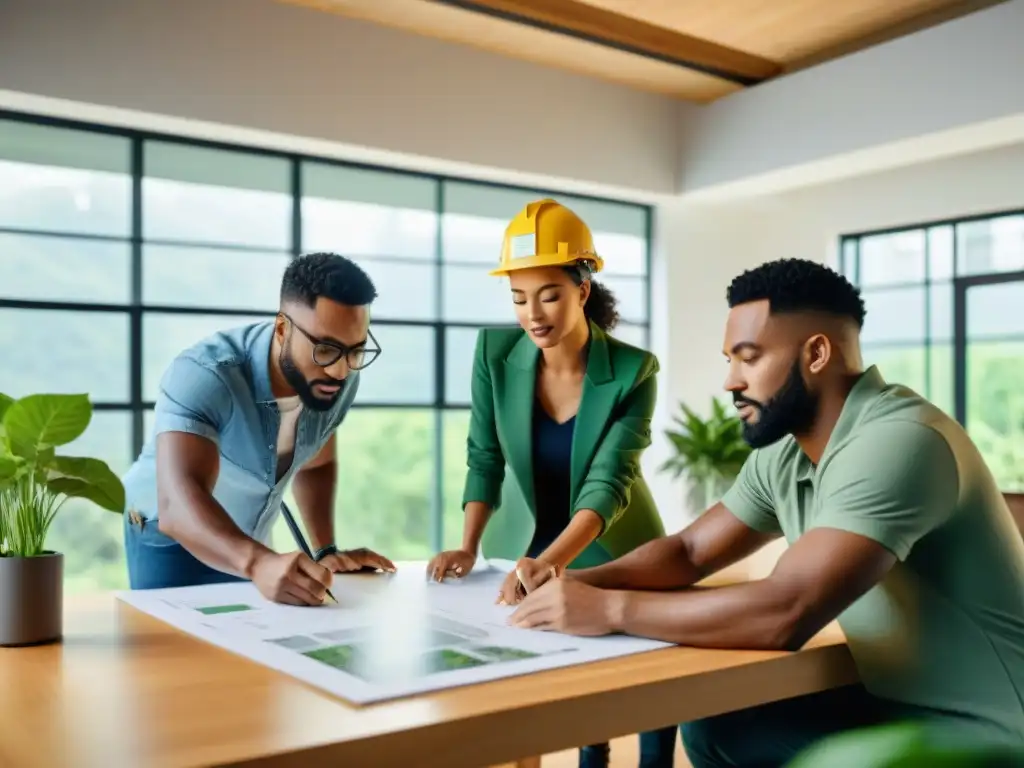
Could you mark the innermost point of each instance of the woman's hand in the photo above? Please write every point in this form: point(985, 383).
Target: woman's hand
point(453, 562)
point(528, 574)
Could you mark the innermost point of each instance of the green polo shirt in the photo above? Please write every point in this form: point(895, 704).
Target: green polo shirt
point(943, 632)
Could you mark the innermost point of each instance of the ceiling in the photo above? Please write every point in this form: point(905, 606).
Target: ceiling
point(694, 50)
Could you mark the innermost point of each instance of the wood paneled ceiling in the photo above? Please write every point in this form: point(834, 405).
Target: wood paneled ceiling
point(695, 50)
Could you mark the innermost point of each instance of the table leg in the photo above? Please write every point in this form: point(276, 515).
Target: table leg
point(528, 762)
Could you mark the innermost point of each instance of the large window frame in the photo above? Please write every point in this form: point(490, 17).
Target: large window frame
point(137, 310)
point(959, 254)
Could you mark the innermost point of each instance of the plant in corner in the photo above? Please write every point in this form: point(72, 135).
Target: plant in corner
point(34, 484)
point(709, 451)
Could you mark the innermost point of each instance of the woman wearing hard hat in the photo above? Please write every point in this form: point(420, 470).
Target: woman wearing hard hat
point(568, 409)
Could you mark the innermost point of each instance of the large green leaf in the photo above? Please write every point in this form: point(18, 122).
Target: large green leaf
point(87, 478)
point(903, 745)
point(40, 422)
point(9, 466)
point(5, 403)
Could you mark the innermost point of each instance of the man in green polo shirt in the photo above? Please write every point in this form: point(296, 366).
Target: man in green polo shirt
point(895, 527)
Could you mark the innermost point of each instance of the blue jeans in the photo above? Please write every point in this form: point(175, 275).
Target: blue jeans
point(657, 750)
point(155, 560)
point(771, 735)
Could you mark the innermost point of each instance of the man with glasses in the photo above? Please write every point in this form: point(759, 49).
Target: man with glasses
point(241, 414)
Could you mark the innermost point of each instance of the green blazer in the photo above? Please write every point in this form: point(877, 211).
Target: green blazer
point(613, 428)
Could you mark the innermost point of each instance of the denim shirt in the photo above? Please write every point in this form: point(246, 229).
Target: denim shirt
point(220, 389)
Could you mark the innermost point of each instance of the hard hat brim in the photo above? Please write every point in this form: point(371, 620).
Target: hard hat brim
point(546, 260)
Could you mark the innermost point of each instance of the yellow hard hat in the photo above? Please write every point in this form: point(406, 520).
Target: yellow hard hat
point(546, 234)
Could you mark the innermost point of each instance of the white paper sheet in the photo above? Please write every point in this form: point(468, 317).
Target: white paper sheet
point(390, 635)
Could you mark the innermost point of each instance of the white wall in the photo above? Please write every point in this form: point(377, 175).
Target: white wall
point(298, 72)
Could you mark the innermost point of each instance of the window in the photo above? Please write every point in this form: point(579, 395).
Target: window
point(119, 249)
point(943, 301)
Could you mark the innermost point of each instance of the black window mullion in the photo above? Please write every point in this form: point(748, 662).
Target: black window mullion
point(440, 395)
point(296, 184)
point(135, 312)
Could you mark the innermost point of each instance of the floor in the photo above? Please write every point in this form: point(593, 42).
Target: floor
point(624, 755)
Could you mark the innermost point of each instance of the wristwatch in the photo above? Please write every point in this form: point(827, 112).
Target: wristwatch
point(323, 552)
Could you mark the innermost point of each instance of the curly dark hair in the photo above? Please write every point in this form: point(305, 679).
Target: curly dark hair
point(326, 275)
point(601, 304)
point(798, 285)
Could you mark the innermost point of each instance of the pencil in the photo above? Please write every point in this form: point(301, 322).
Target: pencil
point(299, 538)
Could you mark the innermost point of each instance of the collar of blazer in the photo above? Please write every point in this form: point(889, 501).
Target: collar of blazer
point(601, 393)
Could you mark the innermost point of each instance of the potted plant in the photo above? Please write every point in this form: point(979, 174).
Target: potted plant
point(709, 451)
point(34, 484)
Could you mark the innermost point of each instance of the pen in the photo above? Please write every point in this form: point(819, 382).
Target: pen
point(299, 538)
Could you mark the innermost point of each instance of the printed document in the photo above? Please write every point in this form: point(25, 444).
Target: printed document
point(390, 635)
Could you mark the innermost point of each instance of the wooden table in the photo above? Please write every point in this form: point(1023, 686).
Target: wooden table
point(124, 689)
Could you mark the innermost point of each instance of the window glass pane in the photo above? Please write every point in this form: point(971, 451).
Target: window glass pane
point(471, 295)
point(940, 390)
point(940, 253)
point(166, 335)
point(405, 290)
point(404, 371)
point(607, 216)
point(90, 537)
point(631, 293)
point(894, 315)
point(455, 425)
point(900, 365)
point(990, 245)
point(631, 334)
point(195, 194)
point(995, 408)
point(64, 269)
point(386, 472)
point(359, 212)
point(994, 311)
point(940, 322)
point(65, 352)
point(622, 254)
point(459, 347)
point(469, 238)
point(892, 258)
point(62, 180)
point(848, 259)
point(186, 276)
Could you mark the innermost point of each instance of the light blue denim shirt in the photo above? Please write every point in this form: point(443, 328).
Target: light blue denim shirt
point(220, 389)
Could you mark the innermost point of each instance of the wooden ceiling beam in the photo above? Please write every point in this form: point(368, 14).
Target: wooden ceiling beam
point(627, 34)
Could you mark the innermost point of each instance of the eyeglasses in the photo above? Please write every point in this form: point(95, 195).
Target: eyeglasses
point(327, 353)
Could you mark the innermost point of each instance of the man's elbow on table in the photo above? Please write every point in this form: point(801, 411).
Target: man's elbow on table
point(794, 619)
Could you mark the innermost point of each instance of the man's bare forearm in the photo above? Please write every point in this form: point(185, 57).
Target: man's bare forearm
point(476, 515)
point(660, 564)
point(752, 615)
point(194, 518)
point(314, 488)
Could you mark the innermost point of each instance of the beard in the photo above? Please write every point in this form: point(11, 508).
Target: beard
point(790, 411)
point(304, 388)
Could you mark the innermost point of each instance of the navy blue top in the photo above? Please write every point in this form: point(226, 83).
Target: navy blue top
point(552, 455)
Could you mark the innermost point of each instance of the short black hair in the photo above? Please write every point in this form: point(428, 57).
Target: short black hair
point(326, 275)
point(798, 285)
